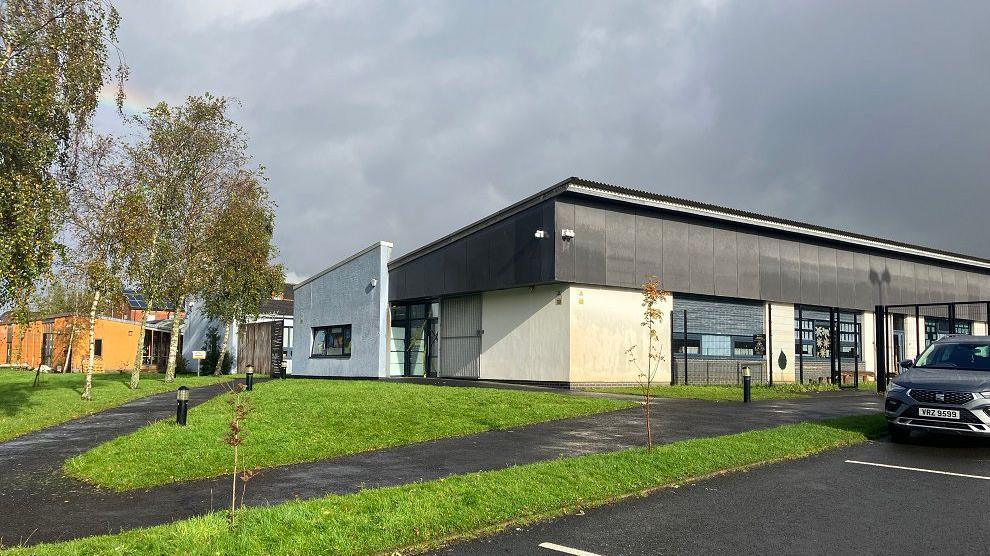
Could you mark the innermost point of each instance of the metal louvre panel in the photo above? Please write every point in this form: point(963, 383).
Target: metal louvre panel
point(460, 337)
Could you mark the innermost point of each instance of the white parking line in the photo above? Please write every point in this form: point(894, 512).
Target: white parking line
point(567, 549)
point(935, 471)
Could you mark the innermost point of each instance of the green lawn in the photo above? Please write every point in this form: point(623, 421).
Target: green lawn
point(24, 408)
point(726, 393)
point(304, 420)
point(426, 515)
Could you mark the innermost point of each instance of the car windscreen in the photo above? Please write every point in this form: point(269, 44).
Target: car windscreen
point(965, 356)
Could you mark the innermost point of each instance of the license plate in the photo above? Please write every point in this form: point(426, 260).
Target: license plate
point(939, 413)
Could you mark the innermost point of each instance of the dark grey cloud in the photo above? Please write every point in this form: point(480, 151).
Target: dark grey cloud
point(404, 121)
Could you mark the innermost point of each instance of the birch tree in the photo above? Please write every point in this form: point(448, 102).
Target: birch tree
point(53, 62)
point(145, 209)
point(191, 154)
point(95, 201)
point(241, 274)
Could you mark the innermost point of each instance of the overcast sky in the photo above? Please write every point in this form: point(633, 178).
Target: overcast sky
point(405, 121)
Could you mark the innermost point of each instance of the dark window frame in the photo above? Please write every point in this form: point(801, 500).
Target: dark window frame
point(695, 340)
point(98, 347)
point(849, 327)
point(346, 332)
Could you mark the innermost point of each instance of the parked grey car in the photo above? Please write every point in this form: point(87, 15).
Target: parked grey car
point(946, 390)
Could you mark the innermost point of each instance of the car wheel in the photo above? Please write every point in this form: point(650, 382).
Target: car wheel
point(898, 433)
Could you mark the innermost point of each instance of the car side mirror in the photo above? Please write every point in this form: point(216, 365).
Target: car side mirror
point(907, 363)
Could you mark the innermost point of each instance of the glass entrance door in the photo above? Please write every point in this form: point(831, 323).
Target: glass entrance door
point(413, 350)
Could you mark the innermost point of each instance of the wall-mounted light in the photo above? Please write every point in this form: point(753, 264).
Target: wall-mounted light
point(540, 234)
point(374, 282)
point(566, 234)
point(581, 298)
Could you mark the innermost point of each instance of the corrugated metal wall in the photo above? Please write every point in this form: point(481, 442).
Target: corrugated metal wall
point(460, 337)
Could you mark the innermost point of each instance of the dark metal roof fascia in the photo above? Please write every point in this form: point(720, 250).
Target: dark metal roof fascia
point(516, 208)
point(674, 204)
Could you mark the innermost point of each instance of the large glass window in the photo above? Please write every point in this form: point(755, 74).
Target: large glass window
point(715, 345)
point(937, 328)
point(332, 341)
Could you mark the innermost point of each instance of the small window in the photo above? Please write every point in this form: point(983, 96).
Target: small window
point(98, 348)
point(693, 344)
point(743, 346)
point(332, 341)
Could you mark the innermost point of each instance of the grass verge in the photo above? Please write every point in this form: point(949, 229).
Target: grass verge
point(25, 408)
point(304, 420)
point(426, 515)
point(725, 393)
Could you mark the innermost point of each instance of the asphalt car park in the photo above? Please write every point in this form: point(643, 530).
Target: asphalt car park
point(929, 496)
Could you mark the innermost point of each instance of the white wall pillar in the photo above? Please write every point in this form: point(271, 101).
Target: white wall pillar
point(980, 329)
point(778, 319)
point(914, 336)
point(868, 330)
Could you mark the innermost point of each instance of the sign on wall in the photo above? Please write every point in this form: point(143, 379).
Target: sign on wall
point(759, 344)
point(278, 332)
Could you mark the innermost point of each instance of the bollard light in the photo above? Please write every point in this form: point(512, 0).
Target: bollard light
point(181, 405)
point(285, 367)
point(747, 384)
point(249, 377)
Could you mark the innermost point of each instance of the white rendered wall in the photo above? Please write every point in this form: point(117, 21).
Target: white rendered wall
point(781, 335)
point(605, 322)
point(353, 291)
point(980, 329)
point(526, 334)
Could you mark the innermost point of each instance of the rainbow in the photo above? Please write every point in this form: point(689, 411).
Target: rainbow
point(135, 100)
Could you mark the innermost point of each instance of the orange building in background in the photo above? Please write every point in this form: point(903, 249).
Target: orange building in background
point(47, 341)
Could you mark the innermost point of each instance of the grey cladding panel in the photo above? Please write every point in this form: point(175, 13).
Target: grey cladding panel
point(676, 258)
point(526, 256)
point(864, 287)
point(790, 270)
point(478, 255)
point(880, 279)
point(455, 272)
point(726, 265)
point(564, 250)
point(810, 291)
point(846, 278)
point(649, 249)
point(748, 257)
point(770, 269)
point(590, 245)
point(935, 284)
point(502, 262)
point(828, 280)
point(921, 283)
point(620, 249)
point(549, 244)
point(701, 240)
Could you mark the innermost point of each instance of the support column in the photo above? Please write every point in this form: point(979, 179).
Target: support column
point(779, 323)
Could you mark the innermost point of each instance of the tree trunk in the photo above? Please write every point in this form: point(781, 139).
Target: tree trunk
point(88, 389)
point(19, 350)
point(218, 370)
point(139, 356)
point(173, 345)
point(68, 350)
